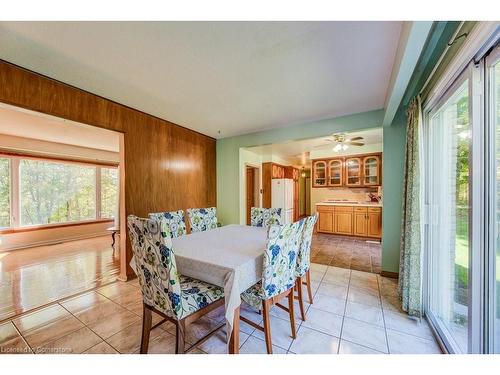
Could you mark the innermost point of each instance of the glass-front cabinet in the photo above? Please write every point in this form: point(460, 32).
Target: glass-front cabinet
point(371, 172)
point(353, 171)
point(319, 173)
point(335, 172)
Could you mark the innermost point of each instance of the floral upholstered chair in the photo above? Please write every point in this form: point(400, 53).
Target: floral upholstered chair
point(278, 276)
point(202, 219)
point(265, 217)
point(173, 296)
point(304, 263)
point(175, 221)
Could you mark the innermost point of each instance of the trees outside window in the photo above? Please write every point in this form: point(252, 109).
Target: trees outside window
point(51, 192)
point(4, 192)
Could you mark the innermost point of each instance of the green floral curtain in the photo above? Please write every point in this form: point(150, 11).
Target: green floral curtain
point(410, 265)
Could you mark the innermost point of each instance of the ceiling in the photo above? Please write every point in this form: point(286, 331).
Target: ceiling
point(218, 78)
point(297, 152)
point(27, 124)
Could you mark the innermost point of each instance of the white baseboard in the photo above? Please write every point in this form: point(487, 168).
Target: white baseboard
point(56, 241)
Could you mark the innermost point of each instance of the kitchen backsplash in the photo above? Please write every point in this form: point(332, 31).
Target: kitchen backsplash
point(358, 194)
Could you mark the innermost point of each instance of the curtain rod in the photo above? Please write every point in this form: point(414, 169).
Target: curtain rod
point(452, 41)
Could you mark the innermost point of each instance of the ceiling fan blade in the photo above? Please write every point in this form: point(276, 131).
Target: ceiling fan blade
point(355, 139)
point(356, 143)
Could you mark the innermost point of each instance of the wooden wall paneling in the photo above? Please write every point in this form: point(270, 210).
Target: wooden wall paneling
point(167, 166)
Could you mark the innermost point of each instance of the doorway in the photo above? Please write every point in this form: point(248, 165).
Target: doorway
point(61, 191)
point(252, 190)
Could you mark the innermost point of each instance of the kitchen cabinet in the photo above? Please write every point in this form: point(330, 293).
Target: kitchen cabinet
point(335, 172)
point(319, 173)
point(326, 219)
point(353, 220)
point(374, 222)
point(351, 171)
point(278, 171)
point(343, 220)
point(371, 170)
point(360, 221)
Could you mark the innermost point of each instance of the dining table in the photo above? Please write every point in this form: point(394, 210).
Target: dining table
point(230, 257)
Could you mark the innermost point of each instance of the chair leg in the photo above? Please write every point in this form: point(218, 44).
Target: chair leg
point(180, 335)
point(146, 328)
point(298, 285)
point(291, 310)
point(267, 326)
point(308, 281)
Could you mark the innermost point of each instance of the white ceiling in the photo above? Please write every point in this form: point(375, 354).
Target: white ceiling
point(27, 124)
point(236, 77)
point(297, 152)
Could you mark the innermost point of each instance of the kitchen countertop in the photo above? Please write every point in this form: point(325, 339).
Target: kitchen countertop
point(358, 204)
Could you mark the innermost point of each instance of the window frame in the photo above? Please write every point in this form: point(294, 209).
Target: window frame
point(15, 159)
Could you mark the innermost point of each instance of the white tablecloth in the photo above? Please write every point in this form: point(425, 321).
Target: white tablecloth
point(230, 257)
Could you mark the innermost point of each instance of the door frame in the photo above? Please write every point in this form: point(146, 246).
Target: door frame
point(257, 179)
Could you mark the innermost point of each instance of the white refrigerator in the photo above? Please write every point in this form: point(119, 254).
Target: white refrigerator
point(282, 197)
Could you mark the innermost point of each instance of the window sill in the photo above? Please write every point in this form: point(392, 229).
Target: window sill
point(53, 226)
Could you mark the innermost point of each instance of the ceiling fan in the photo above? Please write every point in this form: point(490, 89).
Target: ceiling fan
point(342, 142)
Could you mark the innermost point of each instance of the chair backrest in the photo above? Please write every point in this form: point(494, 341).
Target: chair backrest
point(175, 221)
point(201, 219)
point(280, 258)
point(155, 265)
point(304, 256)
point(265, 217)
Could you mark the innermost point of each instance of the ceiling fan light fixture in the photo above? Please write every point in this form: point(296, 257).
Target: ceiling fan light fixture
point(345, 147)
point(337, 148)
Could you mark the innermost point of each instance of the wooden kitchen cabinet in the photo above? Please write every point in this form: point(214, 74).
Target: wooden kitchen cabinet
point(350, 220)
point(278, 171)
point(353, 171)
point(371, 170)
point(326, 219)
point(319, 173)
point(360, 221)
point(343, 220)
point(374, 222)
point(335, 172)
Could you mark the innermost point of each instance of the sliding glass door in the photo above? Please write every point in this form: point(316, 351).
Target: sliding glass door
point(493, 271)
point(449, 136)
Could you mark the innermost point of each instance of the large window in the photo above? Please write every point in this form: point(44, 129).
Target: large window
point(109, 192)
point(51, 192)
point(4, 192)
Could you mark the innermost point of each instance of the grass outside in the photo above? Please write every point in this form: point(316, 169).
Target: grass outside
point(462, 261)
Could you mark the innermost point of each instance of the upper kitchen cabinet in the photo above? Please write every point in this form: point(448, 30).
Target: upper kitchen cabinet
point(319, 173)
point(371, 170)
point(335, 172)
point(278, 171)
point(352, 171)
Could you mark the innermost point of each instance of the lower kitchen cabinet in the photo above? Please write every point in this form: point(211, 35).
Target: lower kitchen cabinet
point(343, 220)
point(326, 219)
point(350, 220)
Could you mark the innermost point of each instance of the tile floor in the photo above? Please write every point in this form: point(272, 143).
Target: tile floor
point(353, 312)
point(346, 252)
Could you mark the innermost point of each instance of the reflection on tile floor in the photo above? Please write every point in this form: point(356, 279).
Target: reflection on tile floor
point(346, 252)
point(353, 313)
